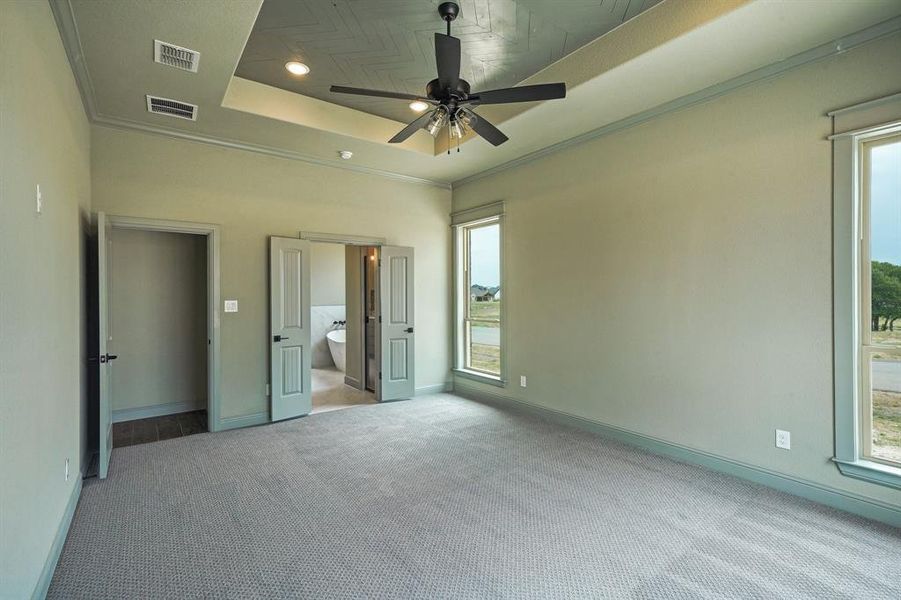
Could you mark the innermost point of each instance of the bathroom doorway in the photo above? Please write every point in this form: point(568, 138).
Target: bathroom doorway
point(342, 320)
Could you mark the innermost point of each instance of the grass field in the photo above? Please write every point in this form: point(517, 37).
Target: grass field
point(485, 310)
point(887, 425)
point(485, 357)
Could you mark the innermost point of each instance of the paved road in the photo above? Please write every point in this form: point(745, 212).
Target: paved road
point(490, 336)
point(887, 375)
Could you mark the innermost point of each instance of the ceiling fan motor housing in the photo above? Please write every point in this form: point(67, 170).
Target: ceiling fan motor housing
point(448, 10)
point(433, 90)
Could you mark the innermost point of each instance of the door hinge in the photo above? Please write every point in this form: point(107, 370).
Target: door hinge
point(380, 318)
point(380, 375)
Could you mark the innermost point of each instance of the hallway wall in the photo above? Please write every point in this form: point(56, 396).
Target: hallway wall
point(44, 140)
point(158, 328)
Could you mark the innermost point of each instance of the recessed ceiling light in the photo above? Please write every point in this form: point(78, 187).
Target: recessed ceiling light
point(297, 68)
point(345, 154)
point(419, 105)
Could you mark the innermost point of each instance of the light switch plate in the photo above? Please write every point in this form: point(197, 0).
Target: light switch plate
point(231, 306)
point(39, 200)
point(522, 381)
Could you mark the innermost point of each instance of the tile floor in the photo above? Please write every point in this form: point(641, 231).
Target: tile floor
point(154, 429)
point(331, 393)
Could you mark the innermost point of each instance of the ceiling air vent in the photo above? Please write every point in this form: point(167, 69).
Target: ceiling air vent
point(173, 108)
point(175, 56)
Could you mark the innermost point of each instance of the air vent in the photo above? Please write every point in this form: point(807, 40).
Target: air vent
point(175, 56)
point(173, 108)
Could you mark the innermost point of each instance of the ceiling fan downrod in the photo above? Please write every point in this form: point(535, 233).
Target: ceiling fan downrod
point(448, 12)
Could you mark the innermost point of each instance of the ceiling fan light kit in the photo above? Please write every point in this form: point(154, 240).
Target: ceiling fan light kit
point(451, 96)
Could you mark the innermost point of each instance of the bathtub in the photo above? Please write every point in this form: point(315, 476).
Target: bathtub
point(336, 343)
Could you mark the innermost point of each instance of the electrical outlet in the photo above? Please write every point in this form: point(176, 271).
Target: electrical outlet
point(522, 381)
point(67, 469)
point(783, 439)
point(38, 200)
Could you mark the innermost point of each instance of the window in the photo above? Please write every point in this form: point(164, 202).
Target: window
point(867, 299)
point(880, 290)
point(479, 305)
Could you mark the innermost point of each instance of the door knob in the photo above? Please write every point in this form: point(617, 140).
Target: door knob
point(278, 338)
point(110, 357)
point(409, 330)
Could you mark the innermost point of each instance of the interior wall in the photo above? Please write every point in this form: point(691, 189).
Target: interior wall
point(252, 196)
point(44, 140)
point(326, 274)
point(158, 322)
point(674, 279)
point(327, 298)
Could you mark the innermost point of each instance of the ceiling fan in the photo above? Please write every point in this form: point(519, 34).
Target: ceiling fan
point(451, 96)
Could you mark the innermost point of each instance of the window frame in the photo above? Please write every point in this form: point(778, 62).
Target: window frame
point(477, 218)
point(853, 345)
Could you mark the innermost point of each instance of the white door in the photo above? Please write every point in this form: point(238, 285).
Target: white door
point(289, 306)
point(396, 305)
point(105, 429)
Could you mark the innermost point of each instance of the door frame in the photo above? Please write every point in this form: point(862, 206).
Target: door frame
point(212, 234)
point(364, 241)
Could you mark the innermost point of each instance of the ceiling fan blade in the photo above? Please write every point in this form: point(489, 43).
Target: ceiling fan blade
point(410, 129)
point(526, 93)
point(340, 89)
point(447, 57)
point(488, 131)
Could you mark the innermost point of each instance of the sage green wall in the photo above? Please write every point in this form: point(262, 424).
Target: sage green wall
point(326, 274)
point(675, 278)
point(158, 325)
point(252, 196)
point(44, 139)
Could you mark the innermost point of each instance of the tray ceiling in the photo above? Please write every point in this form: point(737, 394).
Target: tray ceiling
point(388, 44)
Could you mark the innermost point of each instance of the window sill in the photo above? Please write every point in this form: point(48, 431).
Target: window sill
point(481, 377)
point(871, 471)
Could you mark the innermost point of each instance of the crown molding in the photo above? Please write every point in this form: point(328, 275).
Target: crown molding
point(117, 123)
point(826, 50)
point(64, 16)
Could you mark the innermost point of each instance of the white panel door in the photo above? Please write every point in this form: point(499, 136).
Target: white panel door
point(289, 305)
point(105, 359)
point(396, 295)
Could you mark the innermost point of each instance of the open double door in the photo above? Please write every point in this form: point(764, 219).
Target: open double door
point(289, 287)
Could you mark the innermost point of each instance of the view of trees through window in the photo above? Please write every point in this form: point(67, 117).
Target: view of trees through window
point(483, 323)
point(885, 293)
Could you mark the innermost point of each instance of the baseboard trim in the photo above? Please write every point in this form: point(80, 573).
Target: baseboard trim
point(158, 410)
point(62, 531)
point(842, 500)
point(353, 382)
point(436, 388)
point(243, 421)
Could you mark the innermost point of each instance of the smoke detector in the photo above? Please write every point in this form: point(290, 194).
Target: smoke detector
point(172, 108)
point(176, 56)
point(345, 154)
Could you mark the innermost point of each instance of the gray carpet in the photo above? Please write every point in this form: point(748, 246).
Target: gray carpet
point(441, 497)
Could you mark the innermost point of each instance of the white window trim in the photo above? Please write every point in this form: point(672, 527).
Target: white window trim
point(848, 304)
point(492, 213)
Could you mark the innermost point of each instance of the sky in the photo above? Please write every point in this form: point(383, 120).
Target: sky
point(484, 252)
point(885, 203)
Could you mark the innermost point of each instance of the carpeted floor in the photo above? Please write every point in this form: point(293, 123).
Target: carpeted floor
point(441, 497)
